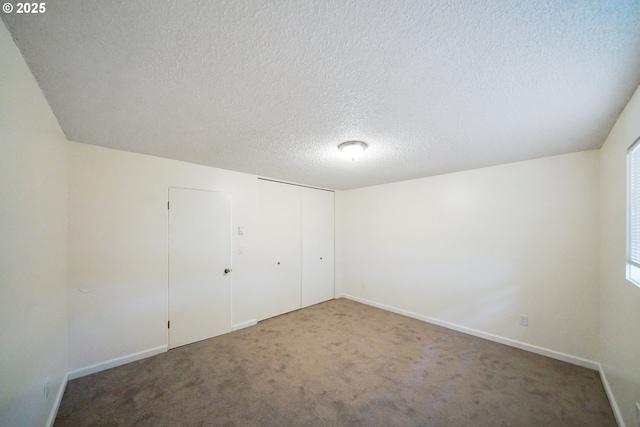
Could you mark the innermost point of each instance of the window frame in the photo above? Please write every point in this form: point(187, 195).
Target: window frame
point(632, 268)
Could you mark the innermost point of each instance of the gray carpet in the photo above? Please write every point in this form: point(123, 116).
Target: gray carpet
point(340, 363)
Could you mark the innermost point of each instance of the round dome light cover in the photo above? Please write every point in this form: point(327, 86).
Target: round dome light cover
point(352, 148)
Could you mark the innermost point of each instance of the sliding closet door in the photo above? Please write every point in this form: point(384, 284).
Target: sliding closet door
point(278, 246)
point(199, 253)
point(317, 246)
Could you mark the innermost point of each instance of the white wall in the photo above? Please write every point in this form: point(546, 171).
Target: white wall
point(118, 249)
point(620, 299)
point(33, 247)
point(476, 249)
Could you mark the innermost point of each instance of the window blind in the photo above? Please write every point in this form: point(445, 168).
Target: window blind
point(633, 204)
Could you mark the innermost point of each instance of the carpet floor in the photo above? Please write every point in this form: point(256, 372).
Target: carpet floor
point(340, 363)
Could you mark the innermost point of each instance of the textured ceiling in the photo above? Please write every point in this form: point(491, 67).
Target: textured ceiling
point(272, 87)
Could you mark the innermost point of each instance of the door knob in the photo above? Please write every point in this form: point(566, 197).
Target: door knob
point(227, 270)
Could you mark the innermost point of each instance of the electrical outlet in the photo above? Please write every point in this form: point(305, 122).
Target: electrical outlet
point(524, 320)
point(46, 389)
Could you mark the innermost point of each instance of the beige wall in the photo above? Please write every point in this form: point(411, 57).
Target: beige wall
point(118, 249)
point(476, 249)
point(33, 248)
point(619, 298)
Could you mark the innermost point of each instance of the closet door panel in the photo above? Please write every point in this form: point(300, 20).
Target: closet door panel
point(317, 246)
point(278, 245)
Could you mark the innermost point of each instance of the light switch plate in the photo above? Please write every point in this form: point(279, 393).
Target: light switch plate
point(240, 231)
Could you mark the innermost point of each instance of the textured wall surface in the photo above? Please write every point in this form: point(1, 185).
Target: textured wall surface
point(33, 247)
point(477, 249)
point(118, 251)
point(272, 87)
point(620, 299)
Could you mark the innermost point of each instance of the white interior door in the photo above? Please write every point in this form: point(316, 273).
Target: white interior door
point(278, 246)
point(317, 246)
point(199, 253)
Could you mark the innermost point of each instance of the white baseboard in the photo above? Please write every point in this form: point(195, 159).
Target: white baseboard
point(56, 403)
point(496, 338)
point(612, 400)
point(116, 362)
point(243, 325)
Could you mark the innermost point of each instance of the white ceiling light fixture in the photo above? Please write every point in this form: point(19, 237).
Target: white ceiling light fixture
point(352, 149)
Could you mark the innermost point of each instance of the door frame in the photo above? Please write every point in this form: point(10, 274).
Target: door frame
point(169, 188)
